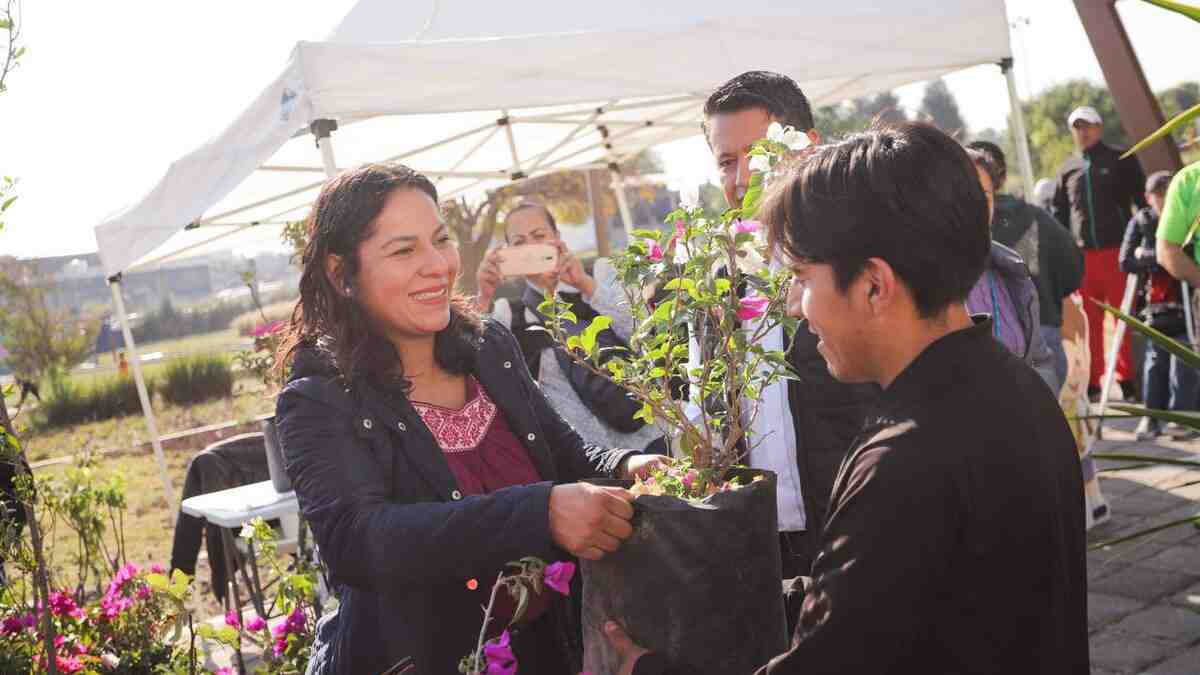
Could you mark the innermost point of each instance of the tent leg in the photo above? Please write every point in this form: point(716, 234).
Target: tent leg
point(135, 362)
point(322, 130)
point(618, 188)
point(1022, 139)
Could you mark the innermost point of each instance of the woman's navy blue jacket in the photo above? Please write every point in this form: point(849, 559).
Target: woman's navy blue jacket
point(399, 541)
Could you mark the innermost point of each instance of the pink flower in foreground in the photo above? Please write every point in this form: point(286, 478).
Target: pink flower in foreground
point(500, 657)
point(227, 670)
point(680, 229)
point(558, 576)
point(752, 307)
point(281, 644)
point(62, 604)
point(747, 227)
point(689, 478)
point(158, 569)
point(233, 620)
point(256, 624)
point(656, 252)
point(69, 664)
point(11, 625)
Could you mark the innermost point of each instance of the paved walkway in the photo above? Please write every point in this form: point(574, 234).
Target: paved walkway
point(1144, 595)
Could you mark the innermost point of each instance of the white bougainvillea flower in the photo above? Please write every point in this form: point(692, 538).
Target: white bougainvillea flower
point(793, 139)
point(760, 163)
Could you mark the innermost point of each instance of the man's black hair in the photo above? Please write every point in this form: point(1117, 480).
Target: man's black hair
point(999, 165)
point(1158, 182)
point(906, 193)
point(778, 94)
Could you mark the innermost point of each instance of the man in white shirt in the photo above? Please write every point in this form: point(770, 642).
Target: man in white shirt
point(804, 428)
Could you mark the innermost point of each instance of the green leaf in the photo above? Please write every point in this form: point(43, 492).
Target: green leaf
point(1177, 348)
point(647, 234)
point(5, 24)
point(588, 338)
point(521, 595)
point(646, 414)
point(7, 203)
point(1189, 11)
point(158, 582)
point(753, 196)
point(1191, 420)
point(1165, 130)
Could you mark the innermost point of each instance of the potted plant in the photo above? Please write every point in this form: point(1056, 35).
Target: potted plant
point(698, 581)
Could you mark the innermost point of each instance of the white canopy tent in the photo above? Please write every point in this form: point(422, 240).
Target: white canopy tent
point(480, 94)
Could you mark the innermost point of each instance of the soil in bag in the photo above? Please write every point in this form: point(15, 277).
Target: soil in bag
point(696, 582)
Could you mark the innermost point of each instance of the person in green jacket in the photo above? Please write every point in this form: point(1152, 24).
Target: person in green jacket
point(1054, 260)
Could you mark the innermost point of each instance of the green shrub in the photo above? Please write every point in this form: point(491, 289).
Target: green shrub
point(278, 311)
point(104, 398)
point(196, 379)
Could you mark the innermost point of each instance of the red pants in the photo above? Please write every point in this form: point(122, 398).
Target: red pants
point(1103, 280)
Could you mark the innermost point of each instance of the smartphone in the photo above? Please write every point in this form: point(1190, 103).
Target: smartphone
point(529, 259)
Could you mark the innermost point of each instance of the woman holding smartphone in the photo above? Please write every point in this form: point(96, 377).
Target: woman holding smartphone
point(423, 455)
point(599, 411)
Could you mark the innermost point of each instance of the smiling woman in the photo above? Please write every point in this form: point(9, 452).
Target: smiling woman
point(421, 451)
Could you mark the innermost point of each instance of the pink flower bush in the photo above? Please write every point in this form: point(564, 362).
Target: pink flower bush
point(558, 576)
point(295, 624)
point(62, 604)
point(265, 329)
point(256, 624)
point(752, 307)
point(747, 227)
point(500, 657)
point(233, 620)
point(656, 252)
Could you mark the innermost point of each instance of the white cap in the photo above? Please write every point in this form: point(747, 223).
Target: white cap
point(1086, 113)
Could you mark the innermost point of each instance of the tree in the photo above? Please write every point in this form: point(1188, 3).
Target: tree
point(1177, 99)
point(1050, 141)
point(40, 340)
point(939, 106)
point(839, 120)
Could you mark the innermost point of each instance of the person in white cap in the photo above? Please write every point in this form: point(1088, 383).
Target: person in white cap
point(1096, 194)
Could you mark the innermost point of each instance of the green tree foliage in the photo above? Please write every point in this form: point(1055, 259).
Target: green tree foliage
point(1050, 141)
point(840, 120)
point(40, 340)
point(939, 106)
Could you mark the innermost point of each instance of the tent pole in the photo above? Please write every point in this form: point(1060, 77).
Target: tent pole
point(1022, 140)
point(506, 122)
point(114, 284)
point(618, 184)
point(322, 130)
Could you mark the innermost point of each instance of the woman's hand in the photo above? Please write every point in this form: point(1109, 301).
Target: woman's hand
point(488, 278)
point(589, 521)
point(628, 650)
point(570, 271)
point(641, 466)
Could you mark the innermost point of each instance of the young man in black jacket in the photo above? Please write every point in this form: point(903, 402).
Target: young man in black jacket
point(955, 538)
point(807, 426)
point(1095, 196)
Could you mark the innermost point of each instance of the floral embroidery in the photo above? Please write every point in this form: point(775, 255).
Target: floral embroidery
point(459, 430)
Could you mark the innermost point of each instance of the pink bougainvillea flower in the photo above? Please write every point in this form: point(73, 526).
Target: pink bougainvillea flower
point(62, 604)
point(558, 576)
point(689, 478)
point(29, 620)
point(752, 307)
point(265, 329)
point(747, 227)
point(256, 624)
point(157, 568)
point(11, 625)
point(227, 670)
point(69, 664)
point(656, 252)
point(680, 229)
point(500, 657)
point(281, 644)
point(233, 620)
point(296, 621)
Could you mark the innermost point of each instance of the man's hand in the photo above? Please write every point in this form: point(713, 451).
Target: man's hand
point(589, 521)
point(570, 271)
point(488, 278)
point(627, 649)
point(641, 466)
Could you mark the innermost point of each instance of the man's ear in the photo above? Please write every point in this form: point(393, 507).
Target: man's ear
point(814, 136)
point(333, 273)
point(882, 285)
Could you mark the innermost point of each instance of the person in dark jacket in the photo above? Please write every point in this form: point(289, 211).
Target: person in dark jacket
point(1170, 383)
point(955, 542)
point(1007, 294)
point(1094, 197)
point(806, 424)
point(1054, 260)
point(422, 453)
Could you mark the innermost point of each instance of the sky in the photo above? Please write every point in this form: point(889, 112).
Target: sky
point(110, 93)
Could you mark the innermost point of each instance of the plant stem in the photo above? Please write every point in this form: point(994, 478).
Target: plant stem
point(1136, 535)
point(487, 617)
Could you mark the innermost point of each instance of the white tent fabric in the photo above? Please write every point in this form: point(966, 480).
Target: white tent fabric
point(427, 82)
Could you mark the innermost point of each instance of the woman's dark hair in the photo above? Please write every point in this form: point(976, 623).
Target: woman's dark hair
point(983, 160)
point(530, 205)
point(999, 163)
point(904, 193)
point(327, 318)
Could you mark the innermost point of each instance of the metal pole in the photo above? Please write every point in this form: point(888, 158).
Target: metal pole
point(1022, 139)
point(322, 130)
point(1110, 363)
point(114, 284)
point(1187, 315)
point(618, 184)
